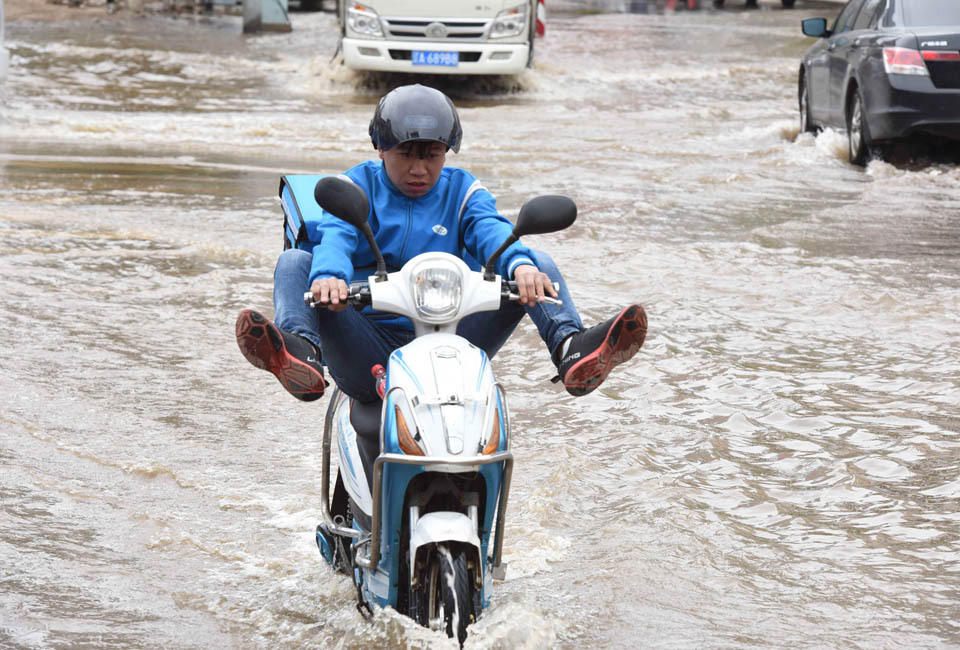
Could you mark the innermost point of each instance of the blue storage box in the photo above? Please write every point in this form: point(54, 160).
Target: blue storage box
point(299, 206)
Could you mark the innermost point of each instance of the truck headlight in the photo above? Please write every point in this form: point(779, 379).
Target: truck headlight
point(437, 290)
point(363, 20)
point(509, 22)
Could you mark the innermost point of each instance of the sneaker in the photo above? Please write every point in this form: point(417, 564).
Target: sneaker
point(291, 358)
point(332, 549)
point(595, 351)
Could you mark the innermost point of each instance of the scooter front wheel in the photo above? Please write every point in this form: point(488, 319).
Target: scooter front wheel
point(445, 597)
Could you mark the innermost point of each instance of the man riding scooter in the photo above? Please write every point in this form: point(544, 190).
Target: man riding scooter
point(418, 204)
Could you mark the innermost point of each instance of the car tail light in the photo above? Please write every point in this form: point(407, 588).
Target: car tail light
point(937, 55)
point(900, 60)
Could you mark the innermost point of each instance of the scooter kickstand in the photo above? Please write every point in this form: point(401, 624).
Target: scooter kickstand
point(362, 605)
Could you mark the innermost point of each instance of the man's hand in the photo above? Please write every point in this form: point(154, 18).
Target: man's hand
point(532, 285)
point(330, 293)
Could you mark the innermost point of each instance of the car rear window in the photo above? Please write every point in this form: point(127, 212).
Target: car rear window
point(920, 13)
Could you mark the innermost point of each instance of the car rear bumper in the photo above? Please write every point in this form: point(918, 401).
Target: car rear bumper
point(910, 106)
point(474, 58)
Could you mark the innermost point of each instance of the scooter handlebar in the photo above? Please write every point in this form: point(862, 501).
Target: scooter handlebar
point(358, 295)
point(508, 291)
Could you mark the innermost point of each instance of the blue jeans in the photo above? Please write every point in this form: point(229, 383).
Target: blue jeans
point(351, 343)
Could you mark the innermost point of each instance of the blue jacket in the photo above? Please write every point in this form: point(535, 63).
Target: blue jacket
point(458, 216)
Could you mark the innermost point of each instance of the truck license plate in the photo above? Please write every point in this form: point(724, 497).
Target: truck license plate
point(431, 57)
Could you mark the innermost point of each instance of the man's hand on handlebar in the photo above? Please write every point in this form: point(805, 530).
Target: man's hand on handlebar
point(330, 293)
point(533, 286)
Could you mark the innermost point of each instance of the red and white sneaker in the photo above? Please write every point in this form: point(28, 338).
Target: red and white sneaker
point(595, 351)
point(291, 358)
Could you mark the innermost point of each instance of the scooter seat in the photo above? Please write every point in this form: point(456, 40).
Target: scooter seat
point(365, 419)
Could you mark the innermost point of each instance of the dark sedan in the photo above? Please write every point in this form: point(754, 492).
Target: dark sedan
point(887, 70)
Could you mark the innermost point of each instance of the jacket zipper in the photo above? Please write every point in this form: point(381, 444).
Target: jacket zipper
point(406, 232)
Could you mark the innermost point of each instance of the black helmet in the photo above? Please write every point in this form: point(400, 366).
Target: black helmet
point(415, 112)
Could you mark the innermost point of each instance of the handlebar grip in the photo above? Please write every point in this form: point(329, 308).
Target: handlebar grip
point(512, 285)
point(509, 292)
point(359, 295)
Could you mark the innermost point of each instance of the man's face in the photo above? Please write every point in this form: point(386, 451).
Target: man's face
point(414, 167)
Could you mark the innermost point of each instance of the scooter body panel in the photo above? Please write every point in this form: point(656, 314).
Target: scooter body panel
point(444, 387)
point(445, 390)
point(351, 465)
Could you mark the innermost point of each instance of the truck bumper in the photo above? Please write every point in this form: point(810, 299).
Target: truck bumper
point(474, 58)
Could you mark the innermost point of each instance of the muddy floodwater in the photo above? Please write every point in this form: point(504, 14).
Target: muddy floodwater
point(779, 467)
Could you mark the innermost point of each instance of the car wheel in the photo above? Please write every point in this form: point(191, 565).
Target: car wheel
point(718, 4)
point(858, 133)
point(787, 4)
point(805, 125)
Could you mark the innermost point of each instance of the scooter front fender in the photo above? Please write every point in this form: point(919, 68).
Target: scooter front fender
point(436, 527)
point(439, 527)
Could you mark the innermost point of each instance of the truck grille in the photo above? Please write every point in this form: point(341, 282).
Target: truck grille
point(456, 30)
point(944, 74)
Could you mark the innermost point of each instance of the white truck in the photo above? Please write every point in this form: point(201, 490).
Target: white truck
point(484, 37)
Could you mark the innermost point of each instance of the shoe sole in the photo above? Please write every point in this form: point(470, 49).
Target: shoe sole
point(623, 340)
point(262, 345)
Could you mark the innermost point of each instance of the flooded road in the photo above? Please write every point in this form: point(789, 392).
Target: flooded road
point(778, 468)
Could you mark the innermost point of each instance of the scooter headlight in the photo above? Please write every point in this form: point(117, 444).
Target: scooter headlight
point(437, 290)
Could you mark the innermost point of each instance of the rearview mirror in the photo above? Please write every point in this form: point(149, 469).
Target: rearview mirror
point(816, 27)
point(538, 216)
point(543, 214)
point(343, 199)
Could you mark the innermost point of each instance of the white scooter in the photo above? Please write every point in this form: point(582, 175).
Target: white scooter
point(427, 470)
